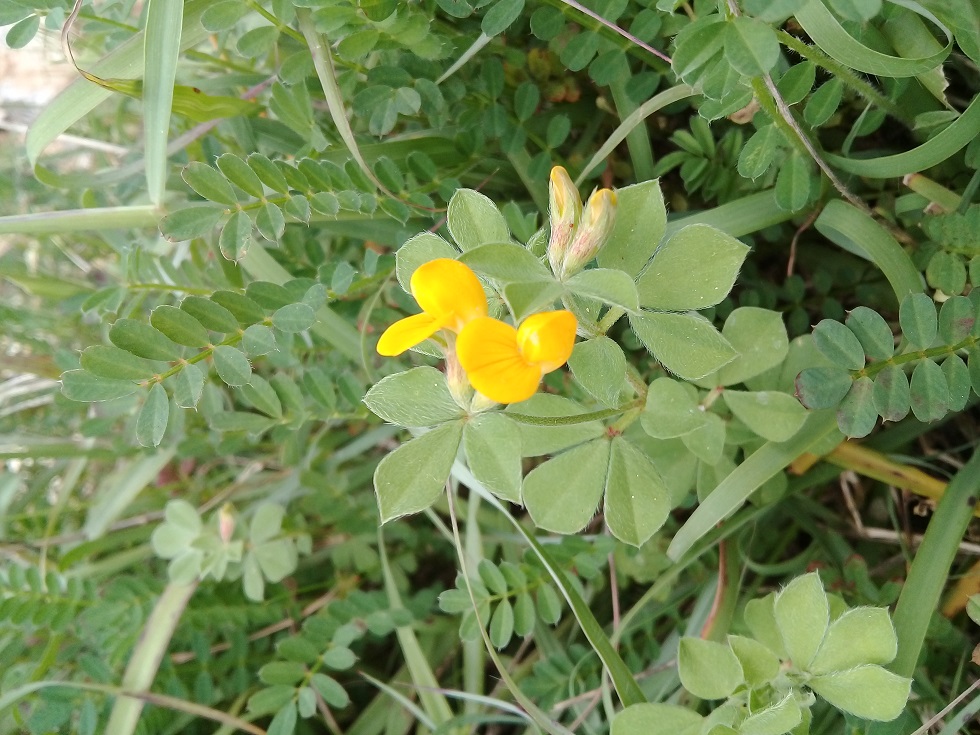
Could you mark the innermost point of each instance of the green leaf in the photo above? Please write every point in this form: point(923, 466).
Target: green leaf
point(607, 285)
point(261, 395)
point(803, 616)
point(232, 366)
point(181, 526)
point(562, 494)
point(239, 173)
point(270, 223)
point(332, 692)
point(947, 272)
point(190, 222)
point(798, 80)
point(823, 387)
point(412, 478)
point(891, 396)
point(258, 340)
point(208, 183)
point(650, 718)
point(151, 422)
point(187, 386)
point(759, 337)
point(293, 318)
point(637, 500)
point(772, 415)
point(474, 220)
point(872, 331)
point(284, 723)
point(794, 183)
point(276, 559)
point(493, 452)
point(143, 340)
point(282, 672)
point(106, 361)
point(751, 46)
point(236, 236)
point(499, 17)
point(599, 365)
point(641, 219)
point(708, 442)
point(540, 440)
point(267, 171)
point(857, 415)
point(776, 719)
point(672, 409)
point(929, 392)
point(958, 380)
point(759, 664)
point(251, 423)
point(531, 297)
point(266, 523)
point(339, 658)
point(506, 262)
point(863, 635)
point(918, 319)
point(761, 150)
point(686, 344)
point(23, 32)
point(266, 701)
point(243, 308)
point(179, 326)
point(502, 624)
point(707, 669)
point(213, 316)
point(418, 250)
point(957, 317)
point(869, 692)
point(760, 617)
point(417, 397)
point(716, 258)
point(824, 102)
point(838, 344)
point(697, 45)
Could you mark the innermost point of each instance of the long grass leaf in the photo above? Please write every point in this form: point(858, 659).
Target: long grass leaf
point(74, 220)
point(161, 47)
point(748, 477)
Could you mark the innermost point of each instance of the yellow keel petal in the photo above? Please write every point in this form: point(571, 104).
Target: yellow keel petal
point(488, 351)
point(547, 339)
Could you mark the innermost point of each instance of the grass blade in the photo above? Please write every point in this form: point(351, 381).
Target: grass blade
point(164, 22)
point(73, 220)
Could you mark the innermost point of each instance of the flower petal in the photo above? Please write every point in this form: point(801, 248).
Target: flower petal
point(406, 333)
point(449, 291)
point(547, 339)
point(487, 350)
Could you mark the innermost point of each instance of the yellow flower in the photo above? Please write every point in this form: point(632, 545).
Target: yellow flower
point(565, 211)
point(506, 364)
point(593, 231)
point(450, 295)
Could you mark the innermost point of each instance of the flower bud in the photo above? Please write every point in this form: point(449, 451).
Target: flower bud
point(226, 523)
point(592, 233)
point(565, 213)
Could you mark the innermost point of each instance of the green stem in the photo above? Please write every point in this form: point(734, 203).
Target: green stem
point(75, 220)
point(474, 656)
point(146, 656)
point(637, 140)
point(941, 351)
point(579, 418)
point(933, 559)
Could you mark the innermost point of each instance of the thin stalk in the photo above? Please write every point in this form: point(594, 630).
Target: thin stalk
point(637, 140)
point(474, 653)
point(930, 569)
point(580, 418)
point(146, 656)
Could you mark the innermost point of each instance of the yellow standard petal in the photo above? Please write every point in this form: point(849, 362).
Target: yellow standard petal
point(449, 292)
point(489, 353)
point(547, 339)
point(406, 333)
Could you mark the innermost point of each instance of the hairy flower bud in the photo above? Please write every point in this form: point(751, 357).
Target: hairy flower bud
point(565, 213)
point(592, 232)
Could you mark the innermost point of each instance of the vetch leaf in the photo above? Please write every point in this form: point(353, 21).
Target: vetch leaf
point(242, 307)
point(500, 16)
point(713, 255)
point(293, 318)
point(232, 366)
point(107, 361)
point(872, 332)
point(562, 494)
point(772, 415)
point(824, 102)
point(502, 624)
point(213, 316)
point(416, 397)
point(761, 150)
point(190, 222)
point(857, 415)
point(239, 173)
point(708, 669)
point(188, 385)
point(794, 183)
point(958, 381)
point(751, 46)
point(151, 423)
point(179, 326)
point(236, 236)
point(956, 319)
point(493, 452)
point(412, 478)
point(929, 392)
point(142, 340)
point(258, 340)
point(891, 396)
point(822, 387)
point(270, 223)
point(686, 344)
point(917, 317)
point(208, 183)
point(637, 501)
point(838, 344)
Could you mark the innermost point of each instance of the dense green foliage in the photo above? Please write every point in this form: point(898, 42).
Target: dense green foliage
point(221, 510)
